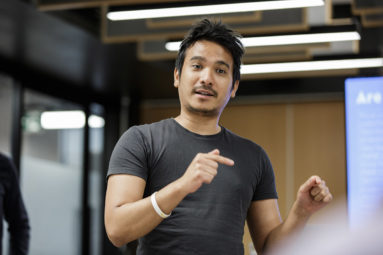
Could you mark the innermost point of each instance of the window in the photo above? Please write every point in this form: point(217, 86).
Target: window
point(51, 178)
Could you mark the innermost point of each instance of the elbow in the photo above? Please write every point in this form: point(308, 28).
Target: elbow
point(116, 241)
point(113, 231)
point(117, 238)
point(120, 231)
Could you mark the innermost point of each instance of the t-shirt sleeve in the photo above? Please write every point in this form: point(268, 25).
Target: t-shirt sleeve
point(129, 156)
point(266, 186)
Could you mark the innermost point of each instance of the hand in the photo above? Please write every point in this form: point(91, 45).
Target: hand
point(312, 196)
point(203, 169)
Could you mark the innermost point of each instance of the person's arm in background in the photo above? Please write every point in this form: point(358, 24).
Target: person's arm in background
point(264, 221)
point(15, 213)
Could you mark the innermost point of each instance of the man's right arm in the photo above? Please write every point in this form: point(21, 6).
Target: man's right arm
point(129, 216)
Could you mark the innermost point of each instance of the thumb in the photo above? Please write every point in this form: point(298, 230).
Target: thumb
point(214, 152)
point(311, 182)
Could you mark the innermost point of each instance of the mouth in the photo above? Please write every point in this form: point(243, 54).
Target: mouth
point(205, 92)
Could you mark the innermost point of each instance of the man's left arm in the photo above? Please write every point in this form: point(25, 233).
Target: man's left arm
point(265, 225)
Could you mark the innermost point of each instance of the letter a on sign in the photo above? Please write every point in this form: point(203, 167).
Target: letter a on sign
point(361, 99)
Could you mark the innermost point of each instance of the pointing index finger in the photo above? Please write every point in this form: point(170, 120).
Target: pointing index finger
point(222, 160)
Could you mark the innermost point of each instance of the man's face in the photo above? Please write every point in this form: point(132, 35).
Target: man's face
point(206, 82)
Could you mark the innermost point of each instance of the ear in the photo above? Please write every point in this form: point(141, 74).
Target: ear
point(176, 78)
point(235, 88)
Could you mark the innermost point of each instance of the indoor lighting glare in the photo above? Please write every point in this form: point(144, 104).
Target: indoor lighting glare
point(287, 39)
point(311, 66)
point(212, 9)
point(300, 39)
point(172, 46)
point(95, 121)
point(69, 120)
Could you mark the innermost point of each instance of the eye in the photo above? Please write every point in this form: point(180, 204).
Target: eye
point(221, 71)
point(196, 66)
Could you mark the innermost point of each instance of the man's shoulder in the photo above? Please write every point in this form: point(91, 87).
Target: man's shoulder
point(6, 166)
point(150, 126)
point(147, 130)
point(5, 160)
point(238, 139)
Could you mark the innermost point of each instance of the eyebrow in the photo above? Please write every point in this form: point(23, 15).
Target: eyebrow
point(220, 62)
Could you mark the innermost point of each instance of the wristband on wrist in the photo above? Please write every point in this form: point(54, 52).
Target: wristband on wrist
point(157, 208)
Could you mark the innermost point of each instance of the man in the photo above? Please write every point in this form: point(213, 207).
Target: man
point(12, 209)
point(186, 185)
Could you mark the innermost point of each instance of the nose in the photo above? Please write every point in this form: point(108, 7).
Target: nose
point(207, 77)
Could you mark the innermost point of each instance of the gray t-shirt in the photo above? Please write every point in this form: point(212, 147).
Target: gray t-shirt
point(211, 220)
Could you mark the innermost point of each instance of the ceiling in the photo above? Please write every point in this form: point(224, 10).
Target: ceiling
point(62, 46)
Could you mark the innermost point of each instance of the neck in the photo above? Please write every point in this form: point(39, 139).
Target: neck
point(199, 124)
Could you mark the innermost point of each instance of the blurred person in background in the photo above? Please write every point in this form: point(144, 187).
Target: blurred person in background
point(12, 209)
point(335, 236)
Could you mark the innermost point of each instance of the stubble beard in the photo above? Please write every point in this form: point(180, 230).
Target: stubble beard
point(203, 112)
point(206, 112)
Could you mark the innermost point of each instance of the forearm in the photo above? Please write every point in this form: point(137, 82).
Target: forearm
point(20, 241)
point(294, 223)
point(312, 196)
point(130, 221)
point(17, 218)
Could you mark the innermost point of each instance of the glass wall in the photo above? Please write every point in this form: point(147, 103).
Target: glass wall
point(51, 178)
point(51, 170)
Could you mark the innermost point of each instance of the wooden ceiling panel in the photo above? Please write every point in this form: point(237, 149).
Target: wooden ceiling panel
point(271, 22)
point(373, 20)
point(288, 56)
point(232, 18)
point(155, 50)
point(367, 6)
point(55, 5)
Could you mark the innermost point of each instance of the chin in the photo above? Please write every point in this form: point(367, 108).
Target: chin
point(203, 111)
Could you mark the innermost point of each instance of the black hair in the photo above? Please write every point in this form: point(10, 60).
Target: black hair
point(219, 33)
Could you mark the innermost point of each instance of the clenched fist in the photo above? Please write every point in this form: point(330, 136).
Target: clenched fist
point(313, 195)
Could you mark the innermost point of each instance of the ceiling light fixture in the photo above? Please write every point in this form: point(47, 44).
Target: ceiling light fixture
point(69, 120)
point(95, 121)
point(277, 40)
point(312, 66)
point(212, 9)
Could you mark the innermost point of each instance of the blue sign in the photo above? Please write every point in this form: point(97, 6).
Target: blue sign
point(364, 139)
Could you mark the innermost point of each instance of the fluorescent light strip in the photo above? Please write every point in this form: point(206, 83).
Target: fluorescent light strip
point(172, 46)
point(212, 9)
point(311, 66)
point(300, 39)
point(287, 39)
point(69, 120)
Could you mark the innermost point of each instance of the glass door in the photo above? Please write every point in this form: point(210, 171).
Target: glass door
point(51, 167)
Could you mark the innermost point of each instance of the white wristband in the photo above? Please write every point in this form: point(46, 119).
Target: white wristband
point(157, 208)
